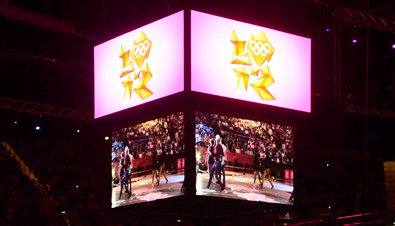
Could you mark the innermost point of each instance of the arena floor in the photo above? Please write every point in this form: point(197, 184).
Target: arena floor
point(238, 186)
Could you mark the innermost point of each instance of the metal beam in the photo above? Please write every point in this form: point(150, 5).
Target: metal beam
point(364, 19)
point(355, 16)
point(369, 111)
point(47, 110)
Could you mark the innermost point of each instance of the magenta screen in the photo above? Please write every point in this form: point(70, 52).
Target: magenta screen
point(140, 66)
point(251, 63)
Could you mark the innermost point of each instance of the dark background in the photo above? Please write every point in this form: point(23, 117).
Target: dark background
point(53, 64)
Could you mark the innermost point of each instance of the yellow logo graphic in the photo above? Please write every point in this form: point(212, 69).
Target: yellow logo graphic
point(127, 84)
point(141, 49)
point(239, 57)
point(141, 88)
point(138, 54)
point(127, 65)
point(242, 82)
point(260, 84)
point(254, 71)
point(261, 50)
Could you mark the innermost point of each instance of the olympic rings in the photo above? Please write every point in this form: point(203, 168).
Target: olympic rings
point(140, 49)
point(260, 48)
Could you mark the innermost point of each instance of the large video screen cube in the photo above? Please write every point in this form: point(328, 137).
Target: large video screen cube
point(244, 159)
point(250, 63)
point(148, 161)
point(140, 66)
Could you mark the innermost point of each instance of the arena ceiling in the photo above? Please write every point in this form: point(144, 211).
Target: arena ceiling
point(46, 46)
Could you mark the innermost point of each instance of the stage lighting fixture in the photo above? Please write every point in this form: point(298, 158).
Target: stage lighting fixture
point(354, 34)
point(393, 46)
point(38, 128)
point(329, 207)
point(106, 138)
point(327, 28)
point(76, 186)
point(78, 130)
point(327, 165)
point(15, 117)
point(63, 212)
point(178, 221)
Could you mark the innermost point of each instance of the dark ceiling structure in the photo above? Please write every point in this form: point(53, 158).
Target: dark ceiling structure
point(46, 50)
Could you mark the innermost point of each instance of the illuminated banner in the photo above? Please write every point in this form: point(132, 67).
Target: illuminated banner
point(251, 63)
point(140, 66)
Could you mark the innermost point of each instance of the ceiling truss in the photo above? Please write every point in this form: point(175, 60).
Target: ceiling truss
point(47, 110)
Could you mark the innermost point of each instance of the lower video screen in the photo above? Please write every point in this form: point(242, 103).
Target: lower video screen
point(244, 159)
point(148, 161)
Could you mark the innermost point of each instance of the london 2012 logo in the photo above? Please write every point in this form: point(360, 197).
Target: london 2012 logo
point(138, 54)
point(260, 50)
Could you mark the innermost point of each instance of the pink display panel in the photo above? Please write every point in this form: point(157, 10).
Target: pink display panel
point(251, 63)
point(140, 66)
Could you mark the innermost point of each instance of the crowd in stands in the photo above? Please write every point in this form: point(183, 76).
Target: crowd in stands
point(73, 174)
point(243, 136)
point(338, 190)
point(168, 132)
point(18, 197)
point(68, 169)
point(316, 191)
